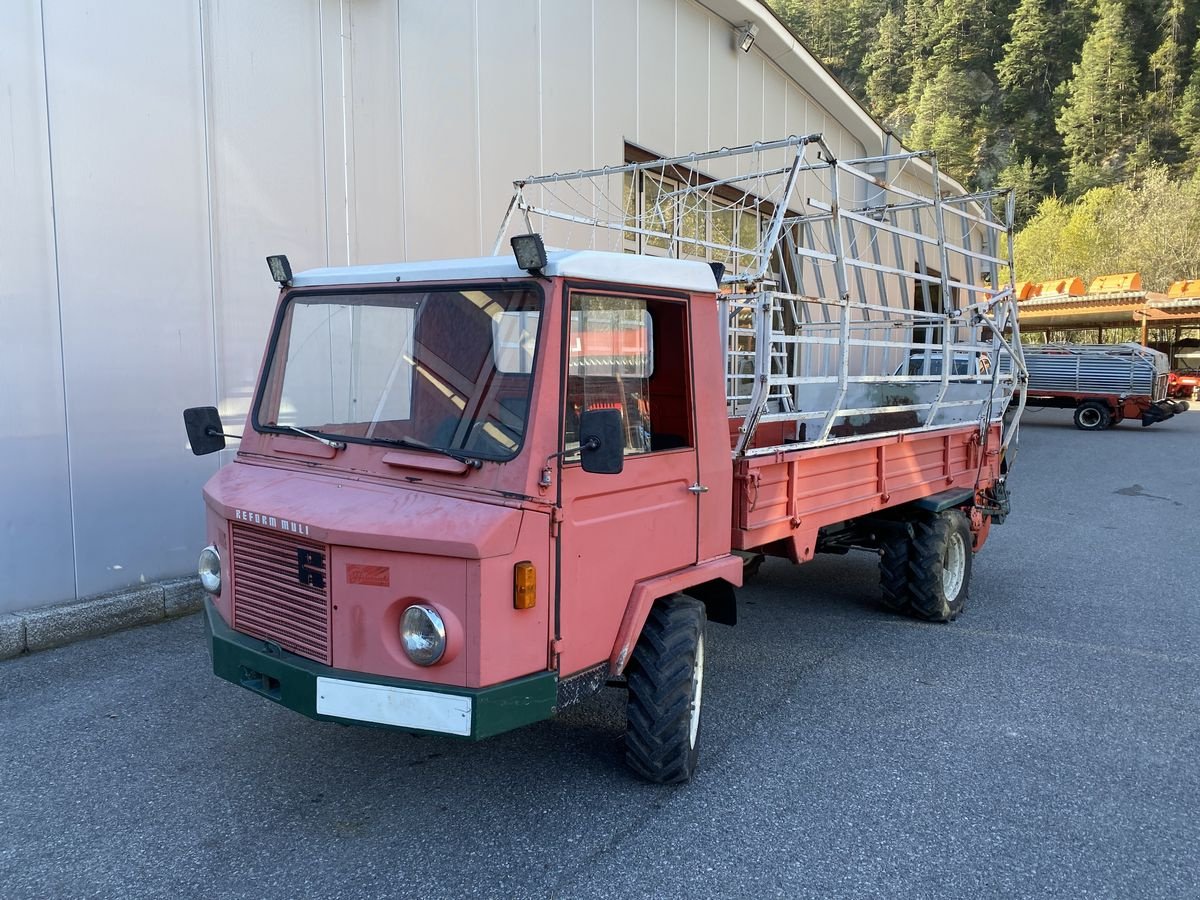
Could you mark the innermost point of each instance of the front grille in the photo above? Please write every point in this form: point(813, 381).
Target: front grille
point(281, 591)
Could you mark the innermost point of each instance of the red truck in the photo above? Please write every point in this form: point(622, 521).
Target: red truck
point(1184, 381)
point(473, 492)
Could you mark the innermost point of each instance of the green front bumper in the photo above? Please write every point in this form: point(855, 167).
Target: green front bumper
point(292, 681)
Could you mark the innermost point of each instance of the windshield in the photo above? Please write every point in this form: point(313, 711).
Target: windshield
point(449, 369)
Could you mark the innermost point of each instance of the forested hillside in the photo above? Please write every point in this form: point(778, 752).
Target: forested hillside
point(1050, 97)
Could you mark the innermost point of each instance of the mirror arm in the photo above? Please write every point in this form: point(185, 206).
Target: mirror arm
point(592, 443)
point(212, 432)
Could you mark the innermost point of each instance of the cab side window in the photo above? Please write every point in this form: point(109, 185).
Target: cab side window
point(629, 354)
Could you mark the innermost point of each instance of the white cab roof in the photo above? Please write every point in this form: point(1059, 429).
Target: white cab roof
point(592, 265)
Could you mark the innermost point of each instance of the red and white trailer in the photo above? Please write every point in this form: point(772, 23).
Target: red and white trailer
point(472, 492)
point(1103, 384)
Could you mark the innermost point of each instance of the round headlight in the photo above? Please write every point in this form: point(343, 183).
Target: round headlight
point(210, 569)
point(423, 634)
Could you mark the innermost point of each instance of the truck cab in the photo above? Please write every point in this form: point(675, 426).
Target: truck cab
point(462, 484)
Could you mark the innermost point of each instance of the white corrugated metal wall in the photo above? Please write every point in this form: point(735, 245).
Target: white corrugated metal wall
point(152, 152)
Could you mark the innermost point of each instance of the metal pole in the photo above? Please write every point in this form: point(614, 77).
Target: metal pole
point(508, 214)
point(944, 264)
point(1020, 372)
point(661, 165)
point(761, 392)
point(843, 286)
point(777, 222)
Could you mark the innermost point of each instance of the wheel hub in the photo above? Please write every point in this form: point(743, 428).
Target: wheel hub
point(954, 566)
point(697, 693)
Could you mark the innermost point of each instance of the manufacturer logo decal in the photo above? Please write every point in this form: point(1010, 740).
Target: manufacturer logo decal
point(374, 576)
point(244, 515)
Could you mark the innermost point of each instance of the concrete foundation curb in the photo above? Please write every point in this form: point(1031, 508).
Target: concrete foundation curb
point(182, 596)
point(12, 635)
point(53, 626)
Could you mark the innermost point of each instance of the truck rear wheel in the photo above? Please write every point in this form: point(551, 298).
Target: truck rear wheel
point(666, 685)
point(893, 572)
point(751, 567)
point(1092, 416)
point(939, 566)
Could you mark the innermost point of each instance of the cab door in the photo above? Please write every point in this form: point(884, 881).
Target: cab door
point(632, 353)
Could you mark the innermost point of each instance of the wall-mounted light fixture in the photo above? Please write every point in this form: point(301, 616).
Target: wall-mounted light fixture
point(744, 36)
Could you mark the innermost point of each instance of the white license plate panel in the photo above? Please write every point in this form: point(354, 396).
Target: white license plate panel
point(403, 707)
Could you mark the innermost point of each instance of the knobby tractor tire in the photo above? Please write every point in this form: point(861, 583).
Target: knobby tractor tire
point(1092, 416)
point(939, 566)
point(893, 572)
point(665, 679)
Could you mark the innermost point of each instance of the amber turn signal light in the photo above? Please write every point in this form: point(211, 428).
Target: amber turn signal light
point(524, 586)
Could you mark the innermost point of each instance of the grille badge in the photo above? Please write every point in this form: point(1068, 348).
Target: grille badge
point(310, 567)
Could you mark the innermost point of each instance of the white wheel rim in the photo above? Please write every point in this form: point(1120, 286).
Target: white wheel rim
point(697, 693)
point(954, 566)
point(1089, 417)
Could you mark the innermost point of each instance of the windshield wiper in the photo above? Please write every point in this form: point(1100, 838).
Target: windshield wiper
point(336, 445)
point(414, 444)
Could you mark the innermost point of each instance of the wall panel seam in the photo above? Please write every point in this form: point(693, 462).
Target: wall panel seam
point(212, 262)
point(592, 141)
point(478, 129)
point(62, 349)
point(400, 118)
point(324, 129)
point(345, 37)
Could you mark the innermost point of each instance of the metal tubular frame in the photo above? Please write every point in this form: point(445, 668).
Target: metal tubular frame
point(789, 334)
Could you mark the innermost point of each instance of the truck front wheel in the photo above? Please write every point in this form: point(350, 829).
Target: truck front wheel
point(939, 566)
point(666, 686)
point(1092, 416)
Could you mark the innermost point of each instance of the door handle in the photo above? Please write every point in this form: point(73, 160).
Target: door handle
point(698, 488)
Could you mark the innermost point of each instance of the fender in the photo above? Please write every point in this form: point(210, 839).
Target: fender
point(722, 568)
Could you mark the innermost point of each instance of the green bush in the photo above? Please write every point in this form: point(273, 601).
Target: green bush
point(1150, 225)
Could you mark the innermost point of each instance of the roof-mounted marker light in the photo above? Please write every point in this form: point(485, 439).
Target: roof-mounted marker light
point(530, 252)
point(281, 269)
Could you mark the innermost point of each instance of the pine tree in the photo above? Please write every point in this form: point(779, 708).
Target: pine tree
point(1040, 95)
point(953, 94)
point(1098, 122)
point(1187, 116)
point(823, 26)
point(863, 34)
point(1028, 183)
point(1167, 71)
point(949, 120)
point(888, 70)
point(1046, 36)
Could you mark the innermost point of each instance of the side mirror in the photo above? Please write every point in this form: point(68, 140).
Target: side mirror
point(602, 441)
point(203, 425)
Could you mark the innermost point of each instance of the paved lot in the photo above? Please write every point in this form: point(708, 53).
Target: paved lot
point(1044, 745)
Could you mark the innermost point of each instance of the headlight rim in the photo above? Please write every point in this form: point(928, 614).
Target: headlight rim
point(207, 575)
point(438, 624)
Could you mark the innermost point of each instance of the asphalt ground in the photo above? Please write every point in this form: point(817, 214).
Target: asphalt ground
point(1044, 745)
